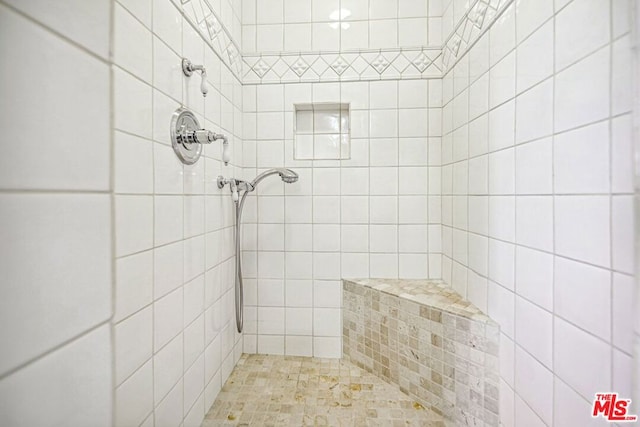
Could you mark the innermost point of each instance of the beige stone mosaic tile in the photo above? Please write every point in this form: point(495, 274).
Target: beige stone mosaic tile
point(433, 293)
point(267, 390)
point(423, 336)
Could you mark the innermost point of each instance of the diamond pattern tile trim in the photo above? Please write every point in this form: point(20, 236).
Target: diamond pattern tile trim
point(339, 65)
point(204, 19)
point(362, 65)
point(471, 27)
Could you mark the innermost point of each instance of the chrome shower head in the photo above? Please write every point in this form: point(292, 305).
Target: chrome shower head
point(287, 175)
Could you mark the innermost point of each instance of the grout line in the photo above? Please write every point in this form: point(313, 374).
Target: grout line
point(112, 208)
point(106, 60)
point(553, 211)
point(516, 294)
point(53, 192)
point(153, 213)
point(611, 212)
point(44, 354)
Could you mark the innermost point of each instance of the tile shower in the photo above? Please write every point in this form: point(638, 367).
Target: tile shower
point(487, 145)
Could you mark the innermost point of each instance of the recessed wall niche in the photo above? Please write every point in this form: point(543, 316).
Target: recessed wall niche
point(322, 131)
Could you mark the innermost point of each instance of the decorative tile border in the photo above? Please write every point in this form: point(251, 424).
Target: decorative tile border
point(478, 19)
point(362, 65)
point(366, 64)
point(427, 339)
point(204, 19)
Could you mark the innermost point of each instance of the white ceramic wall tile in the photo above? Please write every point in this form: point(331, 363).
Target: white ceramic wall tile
point(534, 166)
point(78, 21)
point(501, 308)
point(132, 44)
point(534, 276)
point(534, 62)
point(297, 11)
point(341, 196)
point(54, 164)
point(269, 12)
point(134, 224)
point(622, 219)
point(299, 321)
point(530, 15)
point(534, 222)
point(561, 125)
point(573, 215)
point(621, 66)
point(582, 295)
point(167, 318)
point(193, 383)
point(299, 346)
point(133, 343)
point(582, 92)
point(506, 404)
point(168, 216)
point(570, 407)
point(534, 331)
point(298, 293)
point(73, 385)
point(168, 368)
point(167, 24)
point(191, 330)
point(327, 322)
point(622, 365)
point(57, 252)
point(132, 104)
point(595, 358)
point(534, 383)
point(134, 284)
point(502, 217)
point(330, 347)
point(134, 397)
point(503, 35)
point(575, 41)
point(581, 160)
point(622, 311)
point(170, 410)
point(73, 283)
point(271, 344)
point(534, 112)
point(622, 167)
point(502, 80)
point(133, 164)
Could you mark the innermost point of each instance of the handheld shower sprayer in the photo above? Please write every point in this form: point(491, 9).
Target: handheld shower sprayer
point(236, 185)
point(286, 175)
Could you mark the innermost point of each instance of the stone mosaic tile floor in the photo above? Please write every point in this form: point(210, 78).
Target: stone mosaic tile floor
point(265, 390)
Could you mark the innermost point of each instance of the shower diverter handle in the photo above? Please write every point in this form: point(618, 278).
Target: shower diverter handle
point(199, 136)
point(203, 136)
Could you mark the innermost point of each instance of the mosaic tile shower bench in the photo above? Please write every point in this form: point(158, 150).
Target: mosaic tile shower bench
point(423, 336)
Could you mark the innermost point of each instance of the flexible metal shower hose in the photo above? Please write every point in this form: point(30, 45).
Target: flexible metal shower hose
point(238, 281)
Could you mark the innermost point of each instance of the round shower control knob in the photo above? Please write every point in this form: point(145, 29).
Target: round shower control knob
point(184, 124)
